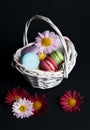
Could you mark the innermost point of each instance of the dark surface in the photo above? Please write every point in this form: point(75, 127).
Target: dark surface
point(73, 19)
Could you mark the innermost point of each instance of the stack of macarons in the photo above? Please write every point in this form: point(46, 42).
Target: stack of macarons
point(43, 62)
point(52, 62)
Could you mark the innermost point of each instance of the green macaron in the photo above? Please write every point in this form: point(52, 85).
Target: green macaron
point(57, 57)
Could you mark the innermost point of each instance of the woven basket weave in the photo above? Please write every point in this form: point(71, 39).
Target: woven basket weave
point(44, 79)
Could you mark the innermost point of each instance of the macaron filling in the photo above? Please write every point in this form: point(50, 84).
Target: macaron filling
point(50, 65)
point(51, 60)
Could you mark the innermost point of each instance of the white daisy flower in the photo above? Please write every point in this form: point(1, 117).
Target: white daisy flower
point(23, 108)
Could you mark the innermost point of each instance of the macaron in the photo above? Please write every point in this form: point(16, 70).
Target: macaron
point(32, 48)
point(30, 60)
point(57, 56)
point(48, 64)
point(42, 56)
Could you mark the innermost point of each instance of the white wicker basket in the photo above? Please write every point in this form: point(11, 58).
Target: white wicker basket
point(44, 79)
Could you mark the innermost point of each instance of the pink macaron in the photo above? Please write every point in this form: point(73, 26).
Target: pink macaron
point(48, 64)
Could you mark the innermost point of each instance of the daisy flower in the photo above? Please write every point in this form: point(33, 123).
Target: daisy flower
point(23, 108)
point(47, 42)
point(71, 101)
point(15, 94)
point(40, 104)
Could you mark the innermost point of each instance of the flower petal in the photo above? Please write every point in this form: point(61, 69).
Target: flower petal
point(71, 95)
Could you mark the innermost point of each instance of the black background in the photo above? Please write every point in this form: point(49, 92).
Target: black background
point(73, 19)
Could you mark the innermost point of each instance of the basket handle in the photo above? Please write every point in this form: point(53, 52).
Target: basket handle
point(25, 39)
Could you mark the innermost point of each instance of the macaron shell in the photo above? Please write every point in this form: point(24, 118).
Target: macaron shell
point(60, 55)
point(57, 56)
point(32, 48)
point(52, 61)
point(42, 56)
point(30, 60)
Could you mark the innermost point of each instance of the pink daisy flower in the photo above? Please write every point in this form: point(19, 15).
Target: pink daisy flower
point(15, 94)
point(71, 101)
point(47, 42)
point(40, 104)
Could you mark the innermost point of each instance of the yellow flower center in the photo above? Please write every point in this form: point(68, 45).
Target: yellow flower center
point(72, 102)
point(46, 42)
point(16, 98)
point(23, 108)
point(37, 105)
